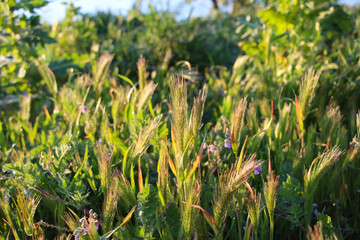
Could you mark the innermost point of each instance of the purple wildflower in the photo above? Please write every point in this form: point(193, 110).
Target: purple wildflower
point(316, 212)
point(100, 140)
point(212, 148)
point(258, 170)
point(86, 229)
point(83, 109)
point(227, 143)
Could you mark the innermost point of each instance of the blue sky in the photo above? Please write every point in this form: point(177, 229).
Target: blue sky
point(55, 10)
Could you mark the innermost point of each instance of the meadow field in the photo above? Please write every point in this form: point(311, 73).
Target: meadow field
point(238, 125)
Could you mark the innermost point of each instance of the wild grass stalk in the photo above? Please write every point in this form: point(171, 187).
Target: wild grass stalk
point(48, 77)
point(253, 201)
point(109, 207)
point(184, 130)
point(141, 66)
point(306, 96)
point(179, 108)
point(197, 113)
point(237, 124)
point(319, 167)
point(72, 220)
point(330, 126)
point(126, 194)
point(145, 135)
point(145, 95)
point(189, 194)
point(229, 183)
point(26, 207)
point(102, 71)
point(104, 162)
point(307, 90)
point(270, 198)
point(7, 213)
point(163, 182)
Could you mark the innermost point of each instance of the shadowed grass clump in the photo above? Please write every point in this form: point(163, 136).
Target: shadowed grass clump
point(318, 169)
point(229, 183)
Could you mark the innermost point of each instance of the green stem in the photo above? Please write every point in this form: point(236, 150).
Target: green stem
point(239, 217)
point(272, 227)
point(309, 199)
point(255, 233)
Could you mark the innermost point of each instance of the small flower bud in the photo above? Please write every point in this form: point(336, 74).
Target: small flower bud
point(227, 143)
point(258, 170)
point(83, 109)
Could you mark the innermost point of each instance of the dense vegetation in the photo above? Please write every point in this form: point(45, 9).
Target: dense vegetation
point(233, 126)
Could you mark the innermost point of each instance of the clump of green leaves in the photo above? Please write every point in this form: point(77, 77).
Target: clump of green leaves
point(292, 200)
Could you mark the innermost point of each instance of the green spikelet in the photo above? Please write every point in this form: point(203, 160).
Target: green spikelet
point(270, 198)
point(48, 77)
point(72, 220)
point(101, 71)
point(307, 91)
point(146, 134)
point(163, 176)
point(141, 66)
point(252, 119)
point(252, 204)
point(145, 95)
point(6, 211)
point(126, 195)
point(109, 205)
point(104, 157)
point(319, 167)
point(197, 112)
point(26, 207)
point(237, 123)
point(270, 192)
point(229, 183)
point(330, 127)
point(189, 214)
point(179, 107)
